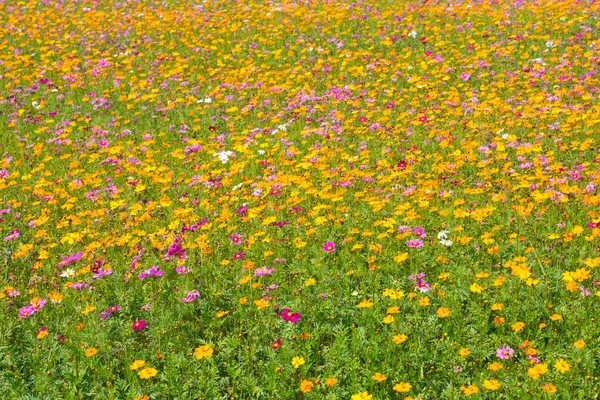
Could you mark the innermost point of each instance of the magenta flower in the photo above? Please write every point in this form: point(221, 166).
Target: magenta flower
point(70, 259)
point(328, 247)
point(13, 235)
point(102, 273)
point(35, 306)
point(190, 296)
point(420, 232)
point(139, 325)
point(26, 311)
point(235, 238)
point(504, 352)
point(414, 243)
point(174, 249)
point(286, 315)
point(264, 271)
point(112, 309)
point(154, 271)
point(182, 270)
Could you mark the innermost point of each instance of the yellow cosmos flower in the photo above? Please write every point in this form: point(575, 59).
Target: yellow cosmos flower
point(203, 351)
point(361, 396)
point(306, 386)
point(137, 364)
point(147, 373)
point(562, 366)
point(495, 366)
point(365, 304)
point(549, 388)
point(399, 338)
point(91, 352)
point(469, 390)
point(491, 384)
point(261, 304)
point(518, 326)
point(537, 371)
point(402, 387)
point(443, 312)
point(297, 362)
point(330, 382)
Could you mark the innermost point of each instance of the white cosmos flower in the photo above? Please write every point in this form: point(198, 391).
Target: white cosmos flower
point(224, 155)
point(443, 235)
point(68, 272)
point(446, 242)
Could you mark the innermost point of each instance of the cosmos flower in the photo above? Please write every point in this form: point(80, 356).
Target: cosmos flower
point(203, 351)
point(414, 243)
point(328, 247)
point(235, 238)
point(190, 296)
point(70, 259)
point(67, 273)
point(151, 272)
point(504, 352)
point(263, 271)
point(139, 325)
point(147, 373)
point(287, 315)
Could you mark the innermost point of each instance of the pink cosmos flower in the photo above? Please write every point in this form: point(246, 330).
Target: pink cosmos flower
point(66, 260)
point(504, 352)
point(264, 271)
point(328, 247)
point(13, 235)
point(154, 271)
point(182, 270)
point(235, 238)
point(287, 315)
point(190, 296)
point(414, 243)
point(139, 325)
point(102, 273)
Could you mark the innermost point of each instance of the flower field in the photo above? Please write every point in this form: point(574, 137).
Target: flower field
point(299, 199)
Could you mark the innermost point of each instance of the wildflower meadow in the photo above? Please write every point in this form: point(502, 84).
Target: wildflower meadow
point(299, 199)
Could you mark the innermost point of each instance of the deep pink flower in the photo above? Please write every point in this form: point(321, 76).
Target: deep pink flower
point(287, 315)
point(328, 247)
point(139, 325)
